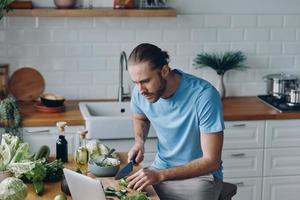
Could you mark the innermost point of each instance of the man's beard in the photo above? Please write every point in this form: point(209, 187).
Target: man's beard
point(155, 96)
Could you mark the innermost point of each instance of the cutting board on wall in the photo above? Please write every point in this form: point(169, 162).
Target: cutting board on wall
point(26, 84)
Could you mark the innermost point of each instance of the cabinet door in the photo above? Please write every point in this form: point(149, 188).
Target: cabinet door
point(282, 161)
point(247, 188)
point(279, 188)
point(244, 134)
point(282, 133)
point(38, 136)
point(243, 163)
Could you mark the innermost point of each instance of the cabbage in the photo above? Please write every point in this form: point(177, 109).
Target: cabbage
point(12, 189)
point(96, 148)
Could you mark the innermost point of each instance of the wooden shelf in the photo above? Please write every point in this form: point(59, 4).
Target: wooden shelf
point(95, 12)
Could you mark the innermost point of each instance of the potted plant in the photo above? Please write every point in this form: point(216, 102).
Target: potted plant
point(221, 63)
point(4, 7)
point(10, 117)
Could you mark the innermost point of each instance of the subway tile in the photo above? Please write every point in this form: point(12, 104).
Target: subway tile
point(190, 21)
point(80, 50)
point(88, 64)
point(92, 92)
point(79, 23)
point(53, 78)
point(188, 49)
point(106, 49)
point(247, 48)
point(135, 22)
point(3, 50)
point(253, 89)
point(64, 36)
point(107, 22)
point(37, 36)
point(269, 48)
point(283, 34)
point(244, 21)
point(291, 48)
point(162, 22)
point(117, 35)
point(105, 77)
point(77, 78)
point(176, 35)
point(257, 34)
point(217, 21)
point(257, 61)
point(51, 22)
point(230, 35)
point(148, 35)
point(270, 21)
point(22, 51)
point(52, 50)
point(204, 34)
point(216, 47)
point(95, 35)
point(181, 62)
point(14, 36)
point(292, 20)
point(21, 22)
point(282, 62)
point(70, 92)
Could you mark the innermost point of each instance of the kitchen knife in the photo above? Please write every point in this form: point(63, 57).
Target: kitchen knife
point(125, 170)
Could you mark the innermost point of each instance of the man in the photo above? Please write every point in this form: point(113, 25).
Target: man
point(186, 113)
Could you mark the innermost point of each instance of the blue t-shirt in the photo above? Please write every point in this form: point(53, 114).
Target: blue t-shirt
point(195, 108)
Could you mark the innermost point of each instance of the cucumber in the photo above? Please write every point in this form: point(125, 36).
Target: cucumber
point(38, 187)
point(43, 152)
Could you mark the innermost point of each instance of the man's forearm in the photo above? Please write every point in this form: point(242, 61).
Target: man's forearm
point(141, 128)
point(195, 168)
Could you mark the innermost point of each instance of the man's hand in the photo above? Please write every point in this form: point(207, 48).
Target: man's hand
point(144, 177)
point(137, 152)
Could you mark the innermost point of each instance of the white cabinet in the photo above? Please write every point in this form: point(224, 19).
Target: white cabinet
point(247, 188)
point(38, 136)
point(279, 188)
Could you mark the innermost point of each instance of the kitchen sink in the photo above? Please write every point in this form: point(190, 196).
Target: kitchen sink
point(108, 120)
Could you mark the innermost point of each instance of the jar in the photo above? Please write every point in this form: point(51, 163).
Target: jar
point(62, 4)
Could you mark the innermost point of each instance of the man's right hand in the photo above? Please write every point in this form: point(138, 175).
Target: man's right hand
point(136, 153)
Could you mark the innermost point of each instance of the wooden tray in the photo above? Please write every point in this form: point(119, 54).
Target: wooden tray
point(26, 84)
point(42, 108)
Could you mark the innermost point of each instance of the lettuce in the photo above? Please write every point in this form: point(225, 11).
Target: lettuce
point(12, 189)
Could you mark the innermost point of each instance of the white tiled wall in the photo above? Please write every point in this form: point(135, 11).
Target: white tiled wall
point(79, 57)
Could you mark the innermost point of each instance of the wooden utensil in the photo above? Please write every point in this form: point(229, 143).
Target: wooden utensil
point(26, 84)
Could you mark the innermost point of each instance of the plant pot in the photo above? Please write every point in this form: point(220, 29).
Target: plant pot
point(221, 86)
point(65, 3)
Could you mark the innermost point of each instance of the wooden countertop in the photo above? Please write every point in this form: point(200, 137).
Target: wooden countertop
point(235, 108)
point(52, 189)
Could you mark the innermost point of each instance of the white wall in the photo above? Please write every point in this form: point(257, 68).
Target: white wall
point(78, 57)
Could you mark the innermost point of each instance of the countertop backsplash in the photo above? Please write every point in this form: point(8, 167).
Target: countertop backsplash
point(79, 56)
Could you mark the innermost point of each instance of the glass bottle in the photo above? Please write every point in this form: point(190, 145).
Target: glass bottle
point(62, 143)
point(81, 156)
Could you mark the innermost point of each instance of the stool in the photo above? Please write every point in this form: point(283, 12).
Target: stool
point(228, 191)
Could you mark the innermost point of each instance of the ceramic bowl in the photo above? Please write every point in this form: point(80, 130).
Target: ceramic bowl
point(52, 100)
point(65, 3)
point(109, 168)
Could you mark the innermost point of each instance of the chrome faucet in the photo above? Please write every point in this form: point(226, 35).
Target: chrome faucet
point(121, 94)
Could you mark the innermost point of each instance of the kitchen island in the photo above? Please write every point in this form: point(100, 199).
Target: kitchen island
point(52, 189)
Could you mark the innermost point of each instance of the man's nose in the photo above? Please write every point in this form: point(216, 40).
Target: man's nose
point(141, 88)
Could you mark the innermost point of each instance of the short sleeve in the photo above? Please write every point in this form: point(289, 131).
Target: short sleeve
point(134, 102)
point(210, 111)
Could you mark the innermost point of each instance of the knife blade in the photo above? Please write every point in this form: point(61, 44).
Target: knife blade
point(125, 170)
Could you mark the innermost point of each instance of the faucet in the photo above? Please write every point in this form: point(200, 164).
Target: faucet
point(123, 63)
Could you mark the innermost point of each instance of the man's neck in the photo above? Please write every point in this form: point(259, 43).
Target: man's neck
point(173, 81)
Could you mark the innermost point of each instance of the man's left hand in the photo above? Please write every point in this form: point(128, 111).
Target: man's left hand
point(142, 178)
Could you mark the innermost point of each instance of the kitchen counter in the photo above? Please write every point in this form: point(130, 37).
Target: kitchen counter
point(52, 189)
point(235, 108)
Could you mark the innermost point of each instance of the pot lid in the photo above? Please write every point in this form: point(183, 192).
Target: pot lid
point(281, 76)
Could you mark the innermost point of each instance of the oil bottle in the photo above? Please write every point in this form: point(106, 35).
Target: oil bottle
point(62, 143)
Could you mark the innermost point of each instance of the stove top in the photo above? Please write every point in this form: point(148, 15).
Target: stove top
point(279, 104)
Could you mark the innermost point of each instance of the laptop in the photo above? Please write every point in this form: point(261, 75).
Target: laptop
point(84, 187)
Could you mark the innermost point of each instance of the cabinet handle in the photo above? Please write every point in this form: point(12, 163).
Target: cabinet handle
point(239, 183)
point(238, 125)
point(38, 131)
point(238, 154)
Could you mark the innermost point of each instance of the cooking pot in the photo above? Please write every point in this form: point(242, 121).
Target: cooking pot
point(294, 97)
point(280, 85)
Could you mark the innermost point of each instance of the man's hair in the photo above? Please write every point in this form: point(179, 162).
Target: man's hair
point(150, 53)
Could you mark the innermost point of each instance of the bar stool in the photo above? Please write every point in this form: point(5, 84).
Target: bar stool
point(228, 191)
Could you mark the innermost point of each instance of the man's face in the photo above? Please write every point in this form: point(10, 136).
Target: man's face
point(150, 82)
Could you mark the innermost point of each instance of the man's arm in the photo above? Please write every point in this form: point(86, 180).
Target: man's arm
point(141, 127)
point(211, 143)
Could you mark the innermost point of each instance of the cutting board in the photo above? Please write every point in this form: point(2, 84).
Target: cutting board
point(110, 181)
point(26, 84)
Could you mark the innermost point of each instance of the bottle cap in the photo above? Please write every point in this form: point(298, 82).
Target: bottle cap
point(61, 126)
point(82, 133)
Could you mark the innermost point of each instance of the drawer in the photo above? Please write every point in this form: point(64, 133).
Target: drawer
point(279, 188)
point(282, 133)
point(243, 163)
point(247, 188)
point(282, 161)
point(50, 130)
point(124, 145)
point(244, 134)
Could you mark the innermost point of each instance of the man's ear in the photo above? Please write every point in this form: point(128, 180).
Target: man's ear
point(165, 71)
